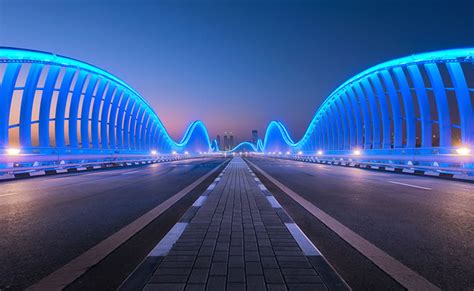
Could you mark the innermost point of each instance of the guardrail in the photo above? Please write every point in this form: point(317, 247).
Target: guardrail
point(31, 163)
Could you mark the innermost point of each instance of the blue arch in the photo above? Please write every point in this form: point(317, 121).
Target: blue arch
point(82, 109)
point(375, 111)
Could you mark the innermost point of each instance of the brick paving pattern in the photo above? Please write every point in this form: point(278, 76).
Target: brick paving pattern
point(236, 241)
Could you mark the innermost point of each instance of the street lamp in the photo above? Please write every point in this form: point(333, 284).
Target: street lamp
point(320, 152)
point(154, 153)
point(13, 151)
point(357, 152)
point(463, 151)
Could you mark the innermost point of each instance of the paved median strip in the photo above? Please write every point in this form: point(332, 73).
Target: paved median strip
point(65, 275)
point(398, 271)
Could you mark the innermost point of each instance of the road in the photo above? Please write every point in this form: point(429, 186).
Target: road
point(46, 222)
point(425, 223)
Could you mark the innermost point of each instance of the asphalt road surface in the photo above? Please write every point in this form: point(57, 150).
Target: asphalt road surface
point(46, 222)
point(425, 223)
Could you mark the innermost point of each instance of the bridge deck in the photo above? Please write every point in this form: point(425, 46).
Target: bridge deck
point(236, 237)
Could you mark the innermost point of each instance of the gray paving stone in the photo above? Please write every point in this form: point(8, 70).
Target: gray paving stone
point(236, 241)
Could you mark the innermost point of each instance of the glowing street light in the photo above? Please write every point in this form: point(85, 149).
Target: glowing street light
point(186, 153)
point(320, 152)
point(300, 153)
point(13, 151)
point(463, 151)
point(288, 152)
point(357, 152)
point(154, 153)
point(174, 152)
point(279, 153)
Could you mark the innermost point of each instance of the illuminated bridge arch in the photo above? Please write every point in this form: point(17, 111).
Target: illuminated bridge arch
point(417, 104)
point(54, 104)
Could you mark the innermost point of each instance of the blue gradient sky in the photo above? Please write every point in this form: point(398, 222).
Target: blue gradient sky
point(235, 65)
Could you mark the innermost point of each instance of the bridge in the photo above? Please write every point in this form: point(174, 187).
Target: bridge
point(377, 194)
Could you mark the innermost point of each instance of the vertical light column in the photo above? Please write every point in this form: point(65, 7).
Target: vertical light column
point(6, 92)
point(27, 104)
point(61, 107)
point(382, 100)
point(86, 107)
point(96, 111)
point(74, 107)
point(350, 118)
point(113, 118)
point(396, 111)
point(120, 130)
point(423, 104)
point(444, 121)
point(410, 118)
point(358, 119)
point(339, 128)
point(144, 129)
point(464, 103)
point(365, 115)
point(45, 106)
point(133, 121)
point(126, 125)
point(136, 131)
point(104, 117)
point(374, 112)
point(345, 124)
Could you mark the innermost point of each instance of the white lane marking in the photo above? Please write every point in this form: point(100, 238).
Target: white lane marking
point(410, 185)
point(9, 194)
point(165, 245)
point(408, 278)
point(65, 275)
point(131, 172)
point(308, 248)
point(273, 202)
point(200, 201)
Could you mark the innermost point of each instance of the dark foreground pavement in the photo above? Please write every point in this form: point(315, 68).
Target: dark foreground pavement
point(424, 223)
point(48, 221)
point(235, 237)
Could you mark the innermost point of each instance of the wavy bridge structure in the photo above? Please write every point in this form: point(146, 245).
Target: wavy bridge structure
point(415, 108)
point(52, 105)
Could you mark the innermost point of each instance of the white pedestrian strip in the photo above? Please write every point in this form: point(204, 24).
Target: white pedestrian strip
point(273, 202)
point(165, 245)
point(308, 248)
point(200, 201)
point(410, 185)
point(262, 187)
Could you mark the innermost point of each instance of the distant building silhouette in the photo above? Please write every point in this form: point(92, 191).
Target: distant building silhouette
point(218, 141)
point(231, 141)
point(254, 136)
point(226, 142)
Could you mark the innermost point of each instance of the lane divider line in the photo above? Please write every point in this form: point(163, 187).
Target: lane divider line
point(138, 278)
point(398, 271)
point(410, 185)
point(68, 273)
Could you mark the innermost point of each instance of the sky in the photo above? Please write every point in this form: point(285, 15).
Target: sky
point(235, 65)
